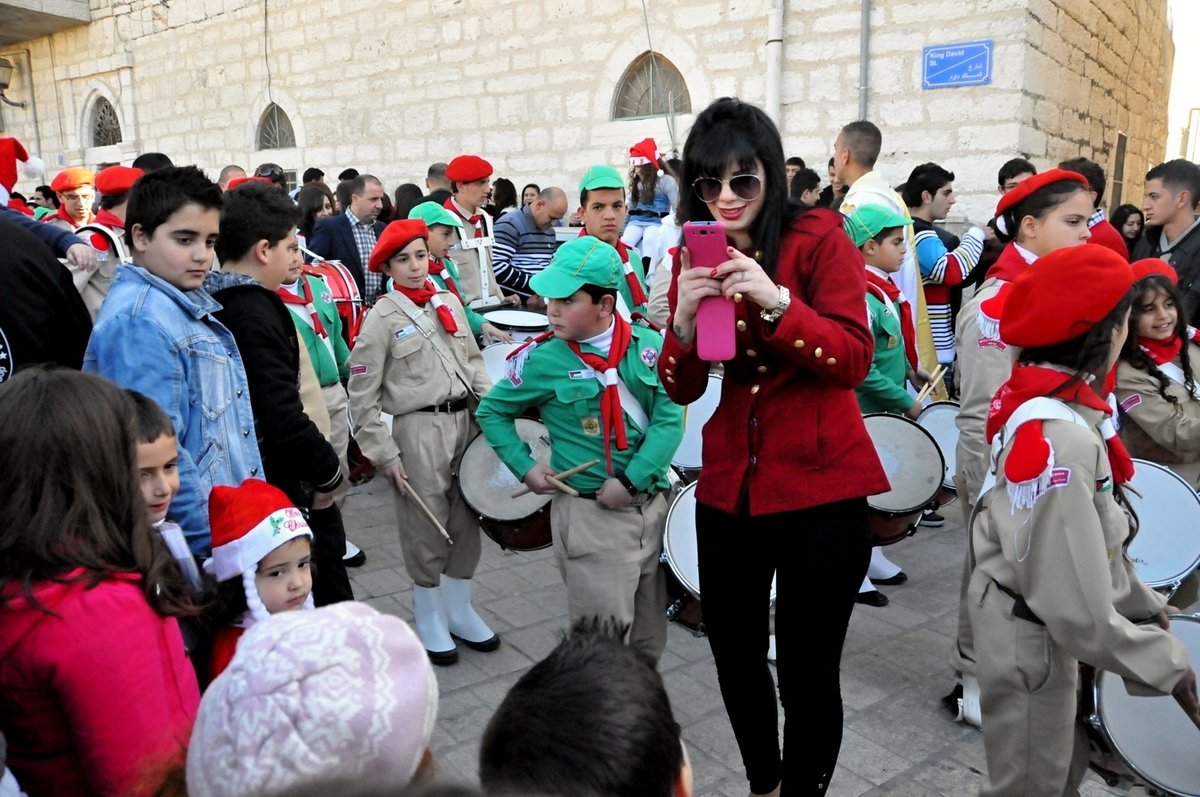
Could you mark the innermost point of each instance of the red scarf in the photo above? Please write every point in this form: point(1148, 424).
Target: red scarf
point(611, 414)
point(289, 297)
point(422, 296)
point(109, 219)
point(62, 215)
point(438, 269)
point(636, 291)
point(1009, 265)
point(908, 330)
point(1161, 351)
point(476, 220)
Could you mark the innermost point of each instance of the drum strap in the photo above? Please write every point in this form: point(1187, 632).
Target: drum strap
point(1036, 409)
point(417, 316)
point(1175, 374)
point(114, 239)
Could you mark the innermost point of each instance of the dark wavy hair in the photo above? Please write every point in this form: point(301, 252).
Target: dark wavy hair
point(1038, 204)
point(311, 200)
point(1144, 293)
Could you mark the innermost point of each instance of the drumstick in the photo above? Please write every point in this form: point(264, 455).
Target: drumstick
point(425, 508)
point(566, 474)
point(566, 488)
point(934, 378)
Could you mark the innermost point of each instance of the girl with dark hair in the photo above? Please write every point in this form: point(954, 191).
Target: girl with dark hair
point(98, 691)
point(316, 202)
point(652, 194)
point(530, 193)
point(1052, 586)
point(1129, 220)
point(787, 459)
point(504, 196)
point(408, 196)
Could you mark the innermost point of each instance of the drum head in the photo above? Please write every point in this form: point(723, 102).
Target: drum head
point(939, 420)
point(495, 358)
point(487, 484)
point(1152, 734)
point(911, 460)
point(1167, 545)
point(518, 319)
point(689, 454)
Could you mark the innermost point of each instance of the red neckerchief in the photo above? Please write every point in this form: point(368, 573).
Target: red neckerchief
point(476, 220)
point(62, 214)
point(438, 268)
point(1161, 351)
point(109, 219)
point(636, 291)
point(1009, 265)
point(289, 297)
point(421, 296)
point(610, 403)
point(1033, 381)
point(906, 320)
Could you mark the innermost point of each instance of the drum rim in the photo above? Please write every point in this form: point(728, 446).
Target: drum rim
point(936, 447)
point(527, 326)
point(688, 466)
point(948, 481)
point(693, 589)
point(1097, 720)
point(1159, 583)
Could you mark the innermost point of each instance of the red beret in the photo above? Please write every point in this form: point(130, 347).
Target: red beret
point(1063, 294)
point(396, 236)
point(236, 181)
point(1031, 184)
point(468, 169)
point(1150, 266)
point(72, 178)
point(20, 206)
point(116, 180)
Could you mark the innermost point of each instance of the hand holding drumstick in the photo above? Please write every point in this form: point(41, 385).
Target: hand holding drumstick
point(543, 481)
point(931, 382)
point(398, 478)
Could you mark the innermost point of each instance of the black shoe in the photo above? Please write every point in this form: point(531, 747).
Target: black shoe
point(486, 646)
point(872, 598)
point(930, 520)
point(443, 658)
point(891, 581)
point(355, 556)
point(950, 701)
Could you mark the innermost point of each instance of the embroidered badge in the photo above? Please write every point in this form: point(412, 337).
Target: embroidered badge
point(358, 370)
point(649, 356)
point(326, 297)
point(1059, 477)
point(1104, 485)
point(1131, 402)
point(591, 426)
point(991, 343)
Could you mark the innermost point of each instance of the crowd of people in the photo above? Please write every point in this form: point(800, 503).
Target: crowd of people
point(192, 371)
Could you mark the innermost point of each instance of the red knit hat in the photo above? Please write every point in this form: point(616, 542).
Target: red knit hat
point(468, 169)
point(396, 236)
point(1063, 294)
point(72, 178)
point(1148, 267)
point(644, 152)
point(117, 180)
point(1031, 184)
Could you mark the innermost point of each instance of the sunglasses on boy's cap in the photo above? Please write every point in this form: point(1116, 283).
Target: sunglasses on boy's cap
point(746, 187)
point(272, 173)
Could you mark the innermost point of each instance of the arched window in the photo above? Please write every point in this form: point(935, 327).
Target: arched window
point(106, 127)
point(650, 86)
point(275, 129)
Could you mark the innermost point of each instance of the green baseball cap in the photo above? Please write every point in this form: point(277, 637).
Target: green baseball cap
point(601, 176)
point(432, 213)
point(578, 262)
point(865, 222)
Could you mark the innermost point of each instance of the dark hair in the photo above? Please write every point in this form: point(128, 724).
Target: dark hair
point(347, 174)
point(1037, 205)
point(504, 193)
point(152, 162)
point(311, 200)
point(253, 212)
point(864, 141)
point(157, 195)
point(436, 171)
point(727, 133)
point(803, 180)
point(386, 209)
point(534, 186)
point(358, 186)
point(408, 196)
point(597, 292)
point(150, 420)
point(1132, 353)
point(1178, 175)
point(342, 193)
point(49, 193)
point(226, 600)
point(1091, 172)
point(599, 717)
point(794, 161)
point(927, 177)
point(273, 172)
point(879, 237)
point(72, 496)
point(310, 174)
point(110, 201)
point(1123, 214)
point(1012, 168)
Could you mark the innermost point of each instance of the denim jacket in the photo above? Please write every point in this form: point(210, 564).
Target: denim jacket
point(158, 340)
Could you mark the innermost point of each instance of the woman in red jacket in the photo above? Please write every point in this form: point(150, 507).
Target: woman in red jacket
point(96, 692)
point(787, 460)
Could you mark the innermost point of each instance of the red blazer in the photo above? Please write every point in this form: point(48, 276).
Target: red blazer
point(1106, 235)
point(788, 433)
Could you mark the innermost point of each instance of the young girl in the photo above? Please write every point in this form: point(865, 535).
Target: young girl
point(97, 692)
point(652, 195)
point(417, 361)
point(1052, 586)
point(261, 558)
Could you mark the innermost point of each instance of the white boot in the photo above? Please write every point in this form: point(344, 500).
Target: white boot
point(464, 622)
point(883, 570)
point(968, 705)
point(429, 617)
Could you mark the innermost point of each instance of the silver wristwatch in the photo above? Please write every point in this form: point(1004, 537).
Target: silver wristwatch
point(775, 313)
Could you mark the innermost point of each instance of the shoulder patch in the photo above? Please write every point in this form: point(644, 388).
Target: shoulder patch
point(358, 370)
point(649, 356)
point(1059, 477)
point(1131, 402)
point(991, 343)
point(326, 297)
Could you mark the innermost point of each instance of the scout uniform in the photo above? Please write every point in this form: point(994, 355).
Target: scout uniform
point(106, 235)
point(419, 363)
point(475, 238)
point(609, 559)
point(444, 271)
point(632, 290)
point(1053, 512)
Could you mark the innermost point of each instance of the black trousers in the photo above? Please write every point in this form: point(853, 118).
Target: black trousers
point(819, 556)
point(331, 584)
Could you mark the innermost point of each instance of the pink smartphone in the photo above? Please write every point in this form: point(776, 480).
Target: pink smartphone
point(715, 336)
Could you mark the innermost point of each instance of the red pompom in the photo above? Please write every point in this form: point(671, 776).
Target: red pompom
point(1029, 456)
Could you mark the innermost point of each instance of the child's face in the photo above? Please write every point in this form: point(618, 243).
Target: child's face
point(604, 213)
point(1155, 315)
point(577, 317)
point(410, 266)
point(284, 577)
point(158, 467)
point(441, 238)
point(181, 249)
point(282, 263)
point(888, 255)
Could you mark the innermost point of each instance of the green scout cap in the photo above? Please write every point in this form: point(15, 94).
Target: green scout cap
point(601, 176)
point(432, 213)
point(578, 262)
point(867, 221)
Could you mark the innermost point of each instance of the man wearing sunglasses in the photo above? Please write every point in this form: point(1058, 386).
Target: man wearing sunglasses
point(274, 173)
point(76, 189)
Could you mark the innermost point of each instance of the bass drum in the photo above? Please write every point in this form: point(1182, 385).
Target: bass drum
point(343, 290)
point(915, 469)
point(487, 485)
point(939, 419)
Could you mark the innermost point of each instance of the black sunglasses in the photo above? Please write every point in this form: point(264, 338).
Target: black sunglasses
point(273, 172)
point(744, 186)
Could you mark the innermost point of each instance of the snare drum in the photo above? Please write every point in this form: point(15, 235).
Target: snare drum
point(1145, 740)
point(688, 457)
point(915, 470)
point(487, 485)
point(495, 359)
point(521, 324)
point(1167, 546)
point(343, 290)
point(939, 420)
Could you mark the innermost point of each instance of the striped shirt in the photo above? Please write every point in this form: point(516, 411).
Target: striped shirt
point(944, 262)
point(364, 239)
point(522, 249)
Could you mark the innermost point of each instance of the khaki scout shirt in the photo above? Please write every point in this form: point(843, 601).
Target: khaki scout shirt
point(1154, 428)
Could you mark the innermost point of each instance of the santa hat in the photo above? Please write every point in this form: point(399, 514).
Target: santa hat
point(644, 152)
point(1026, 187)
point(248, 522)
point(12, 151)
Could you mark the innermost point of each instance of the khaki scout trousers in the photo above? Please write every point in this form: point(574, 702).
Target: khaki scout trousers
point(609, 560)
point(1029, 695)
point(431, 447)
point(337, 403)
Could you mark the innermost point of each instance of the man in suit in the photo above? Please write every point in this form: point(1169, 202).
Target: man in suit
point(350, 236)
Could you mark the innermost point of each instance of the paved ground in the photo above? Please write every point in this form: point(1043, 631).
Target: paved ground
point(898, 740)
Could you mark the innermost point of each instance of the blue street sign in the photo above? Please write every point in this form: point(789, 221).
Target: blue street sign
point(949, 65)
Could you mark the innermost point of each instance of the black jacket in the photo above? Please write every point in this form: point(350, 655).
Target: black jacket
point(1184, 256)
point(295, 455)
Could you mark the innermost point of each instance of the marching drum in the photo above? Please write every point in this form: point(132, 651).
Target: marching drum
point(1146, 740)
point(487, 485)
point(687, 459)
point(495, 358)
point(939, 420)
point(1167, 546)
point(915, 470)
point(521, 324)
point(343, 291)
